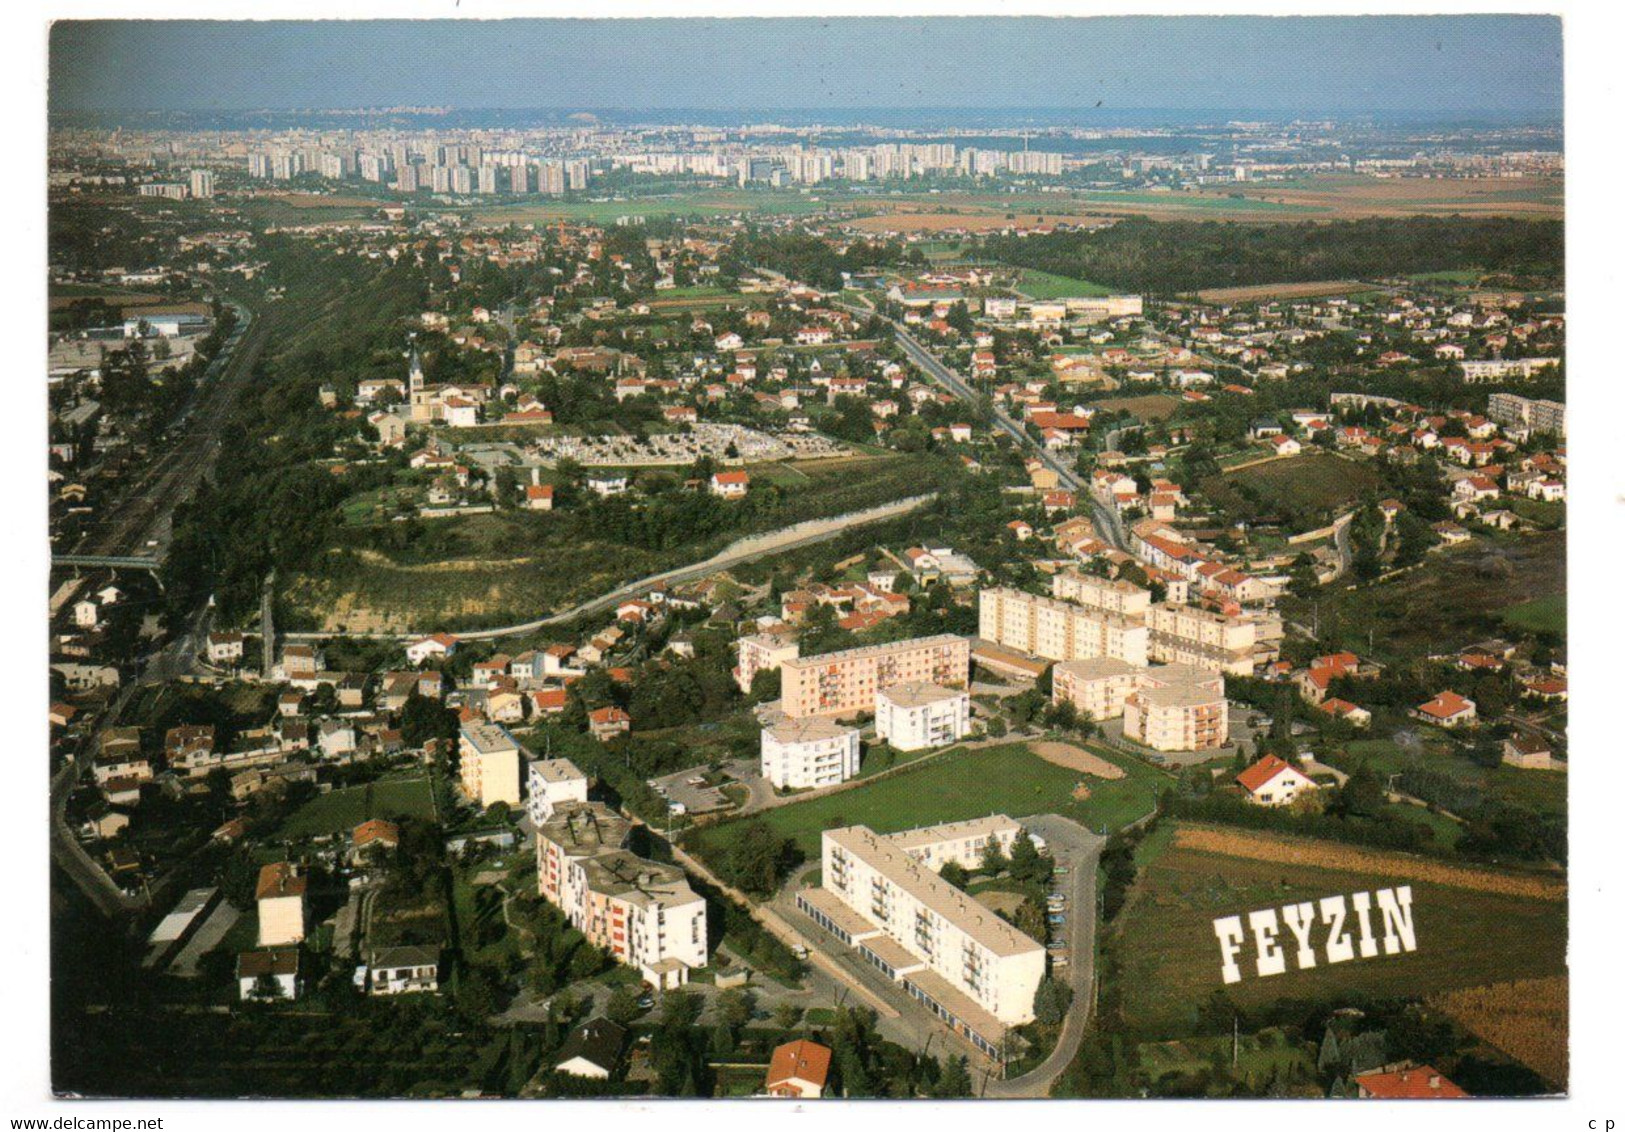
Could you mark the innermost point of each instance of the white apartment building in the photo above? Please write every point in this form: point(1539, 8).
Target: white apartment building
point(642, 912)
point(808, 754)
point(917, 715)
point(762, 652)
point(552, 782)
point(970, 968)
point(1182, 634)
point(488, 764)
point(845, 682)
point(1059, 630)
point(1178, 707)
point(1112, 595)
point(960, 842)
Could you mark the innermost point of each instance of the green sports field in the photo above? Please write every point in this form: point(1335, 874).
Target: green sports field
point(957, 785)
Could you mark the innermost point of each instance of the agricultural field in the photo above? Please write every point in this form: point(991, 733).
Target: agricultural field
point(1303, 491)
point(1422, 612)
point(1526, 1019)
point(956, 785)
point(1473, 926)
point(1148, 407)
point(342, 810)
point(1267, 292)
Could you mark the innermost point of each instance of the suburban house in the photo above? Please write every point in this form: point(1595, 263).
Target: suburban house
point(592, 1050)
point(401, 970)
point(271, 973)
point(1272, 781)
point(1528, 751)
point(798, 1069)
point(436, 646)
point(1418, 1082)
point(608, 722)
point(730, 485)
point(1447, 709)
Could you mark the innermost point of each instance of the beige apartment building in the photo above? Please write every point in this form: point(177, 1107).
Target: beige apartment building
point(1112, 595)
point(642, 912)
point(842, 683)
point(949, 951)
point(488, 764)
point(1181, 634)
point(1178, 707)
point(1098, 687)
point(1059, 630)
point(960, 842)
point(762, 652)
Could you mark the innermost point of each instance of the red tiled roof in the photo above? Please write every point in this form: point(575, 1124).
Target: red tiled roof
point(1422, 1082)
point(803, 1060)
point(1258, 775)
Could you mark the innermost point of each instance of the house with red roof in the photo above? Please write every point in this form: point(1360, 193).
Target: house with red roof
point(1447, 709)
point(730, 485)
point(1272, 781)
point(798, 1069)
point(1417, 1082)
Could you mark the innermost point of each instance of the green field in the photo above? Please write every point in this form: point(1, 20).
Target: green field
point(1549, 614)
point(957, 785)
point(1165, 941)
point(1037, 284)
point(341, 810)
point(1301, 490)
point(1543, 791)
point(1463, 275)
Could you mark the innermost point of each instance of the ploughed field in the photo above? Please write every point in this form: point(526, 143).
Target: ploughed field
point(1473, 926)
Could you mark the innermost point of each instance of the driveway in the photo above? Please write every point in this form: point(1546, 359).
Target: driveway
point(1077, 850)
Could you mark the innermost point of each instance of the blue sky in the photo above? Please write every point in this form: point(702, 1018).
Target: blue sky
point(1426, 66)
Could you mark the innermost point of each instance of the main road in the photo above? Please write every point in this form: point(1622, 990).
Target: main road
point(1106, 521)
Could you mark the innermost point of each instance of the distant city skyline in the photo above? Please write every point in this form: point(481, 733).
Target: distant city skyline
point(1421, 67)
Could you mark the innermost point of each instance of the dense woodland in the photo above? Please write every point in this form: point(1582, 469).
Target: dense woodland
point(1172, 257)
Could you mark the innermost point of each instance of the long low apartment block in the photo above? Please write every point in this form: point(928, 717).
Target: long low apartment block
point(845, 683)
point(883, 897)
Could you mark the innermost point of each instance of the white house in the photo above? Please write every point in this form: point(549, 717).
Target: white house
point(269, 974)
point(436, 646)
point(1273, 781)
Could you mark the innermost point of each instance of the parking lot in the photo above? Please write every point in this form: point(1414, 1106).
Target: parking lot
point(691, 790)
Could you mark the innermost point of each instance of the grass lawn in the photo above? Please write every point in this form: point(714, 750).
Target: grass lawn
point(1542, 614)
point(1165, 940)
point(1541, 512)
point(957, 785)
point(340, 810)
point(1044, 285)
point(1461, 275)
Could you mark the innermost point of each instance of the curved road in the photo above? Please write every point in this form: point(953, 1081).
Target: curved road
point(736, 553)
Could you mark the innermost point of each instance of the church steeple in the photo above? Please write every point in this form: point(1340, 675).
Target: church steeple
point(414, 371)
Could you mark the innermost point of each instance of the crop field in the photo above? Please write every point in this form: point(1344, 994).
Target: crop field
point(1264, 292)
point(1527, 1019)
point(957, 785)
point(342, 810)
point(1301, 488)
point(1147, 407)
point(1424, 611)
point(1468, 932)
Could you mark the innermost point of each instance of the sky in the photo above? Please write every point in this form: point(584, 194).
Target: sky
point(1429, 66)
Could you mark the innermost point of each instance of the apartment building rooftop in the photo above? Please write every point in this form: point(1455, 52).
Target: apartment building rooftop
point(556, 770)
point(918, 693)
point(586, 828)
point(808, 729)
point(489, 738)
point(965, 913)
point(1097, 668)
point(637, 880)
point(940, 640)
point(953, 831)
